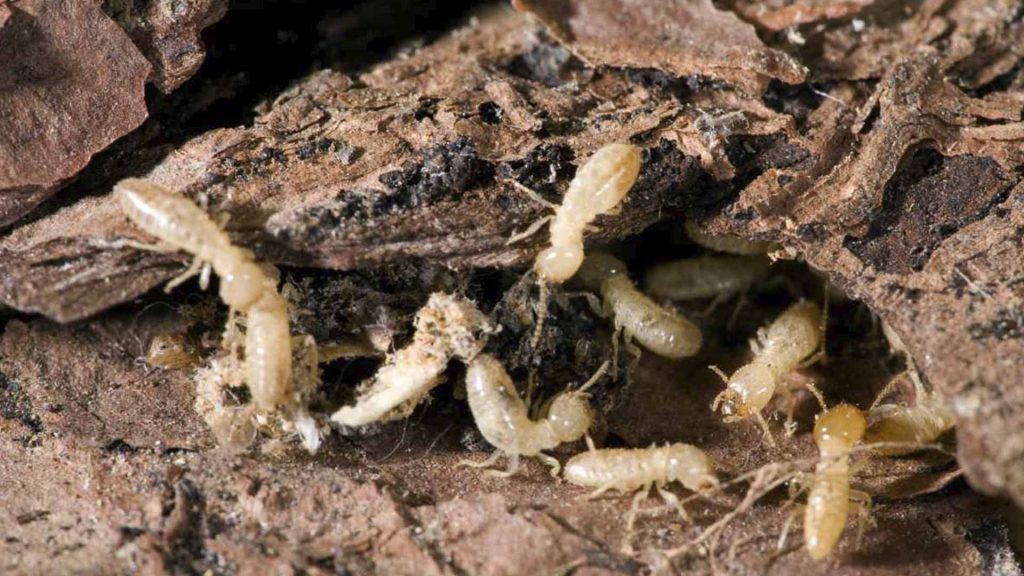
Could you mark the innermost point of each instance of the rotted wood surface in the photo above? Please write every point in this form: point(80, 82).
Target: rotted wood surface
point(879, 141)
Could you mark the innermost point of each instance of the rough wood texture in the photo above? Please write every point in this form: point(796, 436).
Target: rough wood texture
point(895, 168)
point(72, 82)
point(409, 161)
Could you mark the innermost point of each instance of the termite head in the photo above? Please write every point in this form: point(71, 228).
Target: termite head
point(839, 429)
point(570, 416)
point(597, 268)
point(559, 263)
point(748, 390)
point(242, 285)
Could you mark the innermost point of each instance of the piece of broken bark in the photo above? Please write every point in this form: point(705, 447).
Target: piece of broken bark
point(167, 32)
point(72, 82)
point(411, 160)
point(680, 37)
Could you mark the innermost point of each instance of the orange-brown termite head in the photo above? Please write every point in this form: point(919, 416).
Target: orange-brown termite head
point(839, 429)
point(748, 390)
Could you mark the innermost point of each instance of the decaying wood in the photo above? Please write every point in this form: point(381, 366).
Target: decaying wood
point(411, 160)
point(880, 141)
point(682, 38)
point(72, 82)
point(167, 32)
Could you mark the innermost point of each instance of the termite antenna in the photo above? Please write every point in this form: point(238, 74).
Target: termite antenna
point(542, 312)
point(593, 379)
point(718, 371)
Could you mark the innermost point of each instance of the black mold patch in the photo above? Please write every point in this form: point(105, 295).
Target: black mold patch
point(1007, 324)
point(752, 154)
point(15, 404)
point(670, 177)
point(445, 171)
point(926, 201)
point(549, 64)
point(542, 169)
point(570, 349)
point(991, 538)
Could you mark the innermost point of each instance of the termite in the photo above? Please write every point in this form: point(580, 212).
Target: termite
point(912, 426)
point(634, 314)
point(900, 429)
point(836, 432)
point(171, 351)
point(728, 244)
point(704, 277)
point(790, 342)
point(446, 327)
point(630, 469)
point(503, 417)
point(598, 188)
point(245, 286)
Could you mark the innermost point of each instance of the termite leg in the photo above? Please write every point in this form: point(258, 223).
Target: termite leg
point(158, 248)
point(795, 513)
point(485, 464)
point(741, 302)
point(673, 501)
point(204, 276)
point(593, 301)
point(551, 461)
point(636, 351)
point(633, 509)
point(759, 418)
point(194, 268)
point(597, 493)
point(530, 231)
point(862, 501)
point(531, 193)
point(590, 443)
point(513, 467)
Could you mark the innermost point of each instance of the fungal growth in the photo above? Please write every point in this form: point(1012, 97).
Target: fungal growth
point(836, 432)
point(629, 469)
point(792, 341)
point(503, 418)
point(245, 287)
point(705, 277)
point(446, 327)
point(635, 315)
point(598, 188)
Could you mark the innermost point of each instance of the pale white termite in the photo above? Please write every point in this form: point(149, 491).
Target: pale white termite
point(836, 432)
point(245, 286)
point(915, 425)
point(704, 277)
point(629, 469)
point(901, 429)
point(598, 188)
point(791, 341)
point(639, 318)
point(503, 417)
point(729, 244)
point(446, 327)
